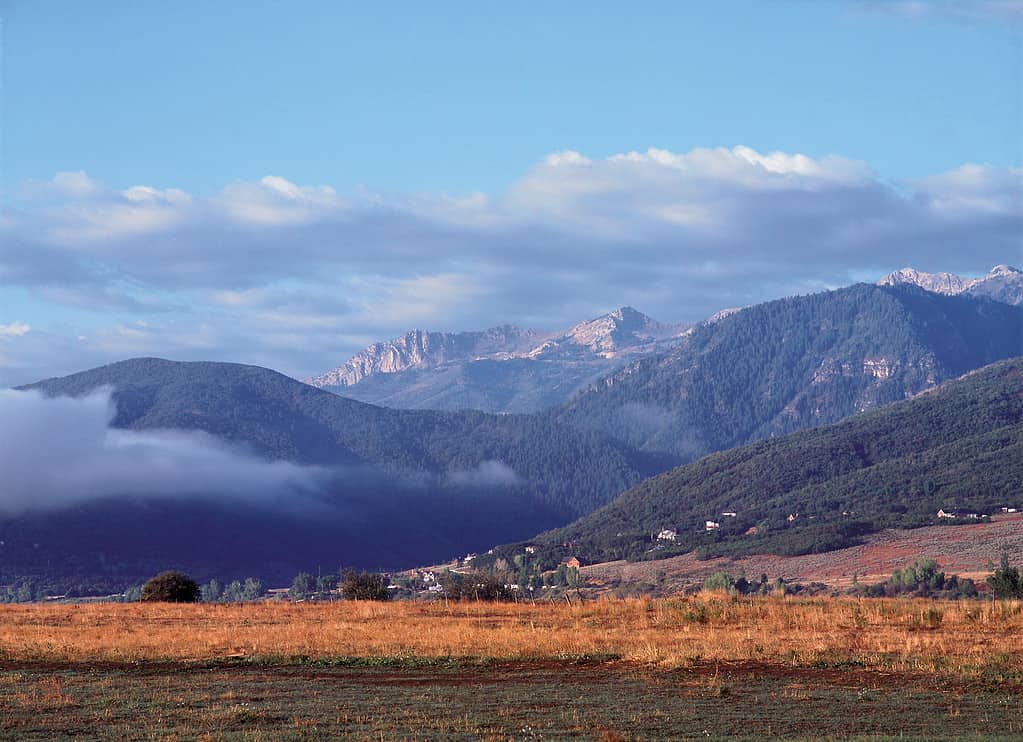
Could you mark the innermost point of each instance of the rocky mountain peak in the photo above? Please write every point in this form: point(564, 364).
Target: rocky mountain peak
point(610, 338)
point(1002, 283)
point(609, 334)
point(940, 283)
point(424, 349)
point(1003, 270)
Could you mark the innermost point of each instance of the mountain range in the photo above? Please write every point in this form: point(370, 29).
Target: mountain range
point(509, 369)
point(417, 486)
point(794, 363)
point(1002, 283)
point(502, 369)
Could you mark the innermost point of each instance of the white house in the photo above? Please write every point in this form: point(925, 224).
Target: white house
point(955, 513)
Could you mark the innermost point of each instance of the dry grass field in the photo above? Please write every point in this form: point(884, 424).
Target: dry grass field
point(962, 638)
point(613, 669)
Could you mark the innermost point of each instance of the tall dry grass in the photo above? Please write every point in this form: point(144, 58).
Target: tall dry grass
point(961, 638)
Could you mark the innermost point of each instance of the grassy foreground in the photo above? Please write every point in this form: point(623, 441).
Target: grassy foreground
point(617, 669)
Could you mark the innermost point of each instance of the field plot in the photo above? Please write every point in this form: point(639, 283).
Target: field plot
point(626, 669)
point(969, 550)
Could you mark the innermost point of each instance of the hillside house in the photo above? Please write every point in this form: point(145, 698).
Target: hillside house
point(729, 514)
point(959, 513)
point(530, 549)
point(667, 534)
point(712, 525)
point(572, 562)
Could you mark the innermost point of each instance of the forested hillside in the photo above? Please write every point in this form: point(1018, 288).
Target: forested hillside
point(569, 471)
point(393, 488)
point(796, 363)
point(957, 446)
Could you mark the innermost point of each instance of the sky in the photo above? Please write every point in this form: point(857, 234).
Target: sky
point(285, 183)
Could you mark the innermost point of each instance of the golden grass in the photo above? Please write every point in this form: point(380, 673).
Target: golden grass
point(962, 638)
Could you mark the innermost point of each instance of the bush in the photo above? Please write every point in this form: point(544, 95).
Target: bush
point(365, 586)
point(170, 587)
point(922, 579)
point(721, 581)
point(476, 586)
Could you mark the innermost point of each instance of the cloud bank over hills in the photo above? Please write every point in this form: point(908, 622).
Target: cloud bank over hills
point(62, 451)
point(292, 276)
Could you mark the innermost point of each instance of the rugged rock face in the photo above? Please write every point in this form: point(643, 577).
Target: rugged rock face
point(1002, 283)
point(423, 349)
point(503, 369)
point(621, 330)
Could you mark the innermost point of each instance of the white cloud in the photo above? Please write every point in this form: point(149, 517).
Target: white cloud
point(295, 276)
point(15, 329)
point(975, 190)
point(276, 201)
point(488, 474)
point(148, 194)
point(61, 451)
point(68, 184)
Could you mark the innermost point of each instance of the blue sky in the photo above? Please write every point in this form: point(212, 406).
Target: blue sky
point(460, 96)
point(282, 183)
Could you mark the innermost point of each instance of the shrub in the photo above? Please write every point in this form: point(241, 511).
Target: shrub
point(922, 579)
point(476, 586)
point(365, 586)
point(720, 581)
point(170, 587)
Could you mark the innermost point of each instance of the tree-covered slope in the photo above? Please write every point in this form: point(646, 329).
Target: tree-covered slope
point(791, 364)
point(393, 488)
point(569, 471)
point(959, 445)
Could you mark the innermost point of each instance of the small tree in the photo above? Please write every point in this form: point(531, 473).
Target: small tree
point(302, 587)
point(365, 586)
point(170, 587)
point(252, 589)
point(1006, 581)
point(211, 591)
point(326, 583)
point(232, 592)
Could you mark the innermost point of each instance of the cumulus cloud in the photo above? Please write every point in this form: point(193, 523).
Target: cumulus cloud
point(299, 277)
point(58, 452)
